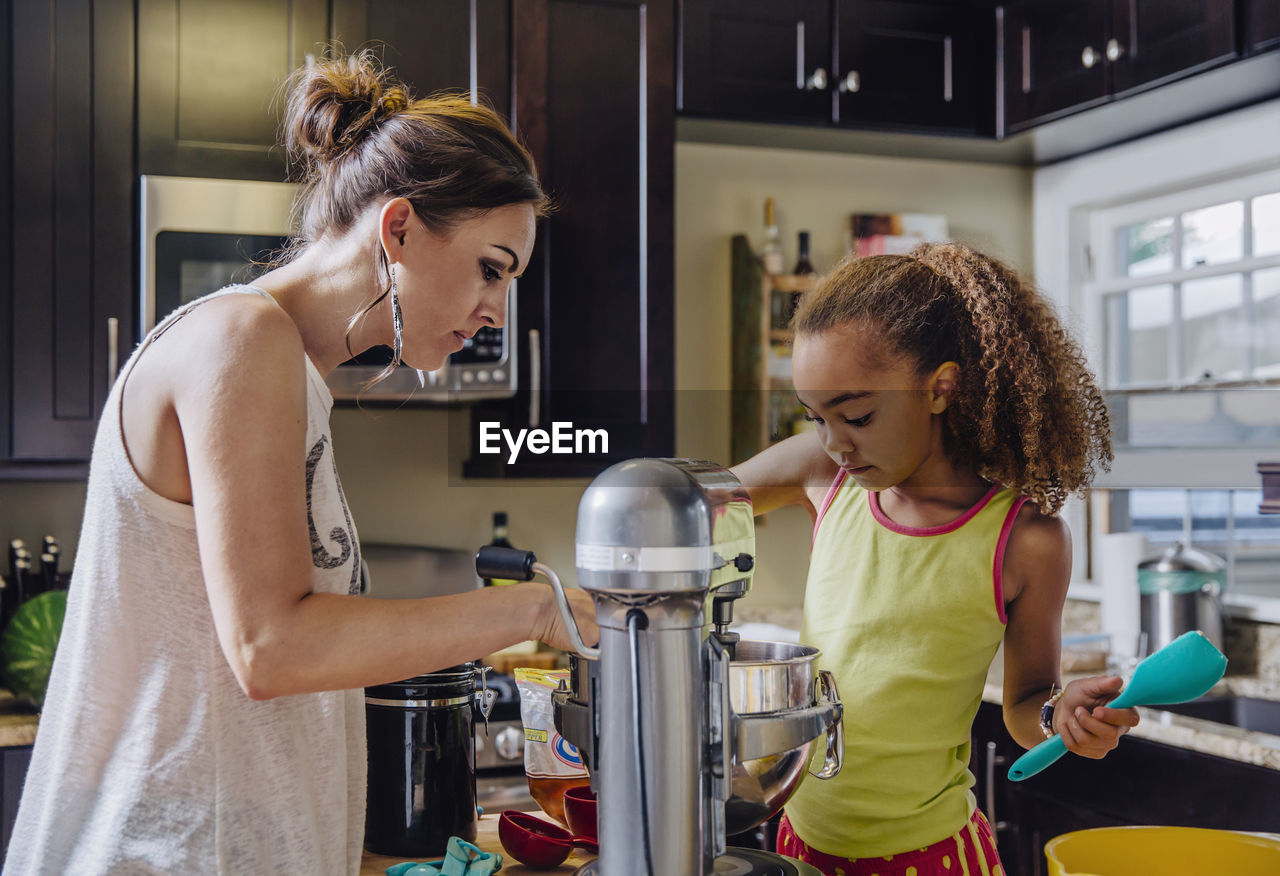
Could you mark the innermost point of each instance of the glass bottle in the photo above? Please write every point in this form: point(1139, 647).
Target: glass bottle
point(501, 540)
point(771, 251)
point(803, 265)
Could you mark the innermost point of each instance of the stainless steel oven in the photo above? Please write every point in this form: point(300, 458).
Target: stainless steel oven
point(201, 234)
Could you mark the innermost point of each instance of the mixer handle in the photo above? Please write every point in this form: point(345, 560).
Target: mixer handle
point(825, 691)
point(518, 565)
point(570, 623)
point(500, 562)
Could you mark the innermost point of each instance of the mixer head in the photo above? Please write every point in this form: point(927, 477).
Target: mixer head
point(665, 526)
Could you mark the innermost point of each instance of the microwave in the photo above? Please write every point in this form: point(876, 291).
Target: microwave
point(199, 235)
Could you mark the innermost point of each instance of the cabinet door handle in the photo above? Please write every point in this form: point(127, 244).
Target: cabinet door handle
point(1026, 60)
point(1115, 51)
point(535, 377)
point(851, 83)
point(993, 760)
point(817, 81)
point(946, 69)
point(1089, 57)
point(113, 350)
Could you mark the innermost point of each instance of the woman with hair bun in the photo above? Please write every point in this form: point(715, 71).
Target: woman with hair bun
point(205, 711)
point(953, 416)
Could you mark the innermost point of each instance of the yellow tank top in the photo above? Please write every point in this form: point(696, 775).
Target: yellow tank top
point(908, 621)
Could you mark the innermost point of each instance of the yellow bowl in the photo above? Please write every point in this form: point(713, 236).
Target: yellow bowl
point(1162, 851)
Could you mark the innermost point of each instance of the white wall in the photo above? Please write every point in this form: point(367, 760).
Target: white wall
point(399, 467)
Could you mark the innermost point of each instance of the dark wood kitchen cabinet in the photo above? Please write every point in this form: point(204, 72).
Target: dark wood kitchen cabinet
point(1140, 782)
point(210, 80)
point(438, 45)
point(927, 67)
point(1262, 25)
point(211, 84)
point(14, 761)
point(1160, 40)
point(756, 59)
point(1061, 56)
point(893, 64)
point(594, 101)
point(1043, 74)
point(70, 254)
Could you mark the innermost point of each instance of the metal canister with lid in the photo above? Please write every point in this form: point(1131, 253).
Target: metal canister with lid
point(1181, 590)
point(422, 778)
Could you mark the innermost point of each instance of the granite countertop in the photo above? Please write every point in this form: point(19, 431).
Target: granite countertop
point(1194, 734)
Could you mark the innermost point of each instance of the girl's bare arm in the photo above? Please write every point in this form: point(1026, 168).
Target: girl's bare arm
point(1037, 568)
point(796, 471)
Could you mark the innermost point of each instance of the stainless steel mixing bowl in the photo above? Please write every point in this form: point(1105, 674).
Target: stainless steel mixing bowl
point(768, 677)
point(765, 678)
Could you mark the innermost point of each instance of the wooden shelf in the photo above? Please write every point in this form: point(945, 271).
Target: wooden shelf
point(764, 408)
point(791, 282)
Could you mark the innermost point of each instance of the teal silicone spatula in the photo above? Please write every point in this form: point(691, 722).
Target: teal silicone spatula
point(1182, 670)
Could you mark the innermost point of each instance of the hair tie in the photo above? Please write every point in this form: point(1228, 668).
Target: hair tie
point(392, 102)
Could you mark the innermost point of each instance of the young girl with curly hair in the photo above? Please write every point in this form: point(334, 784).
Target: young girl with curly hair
point(953, 417)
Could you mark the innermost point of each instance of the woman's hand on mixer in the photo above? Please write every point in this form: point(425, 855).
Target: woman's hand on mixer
point(1087, 726)
point(549, 624)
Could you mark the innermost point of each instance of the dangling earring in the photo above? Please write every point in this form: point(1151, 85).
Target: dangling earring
point(397, 319)
point(397, 325)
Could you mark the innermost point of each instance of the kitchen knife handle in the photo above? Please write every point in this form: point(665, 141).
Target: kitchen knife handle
point(501, 562)
point(1037, 759)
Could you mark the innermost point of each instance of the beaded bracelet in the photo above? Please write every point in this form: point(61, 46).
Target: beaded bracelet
point(1046, 711)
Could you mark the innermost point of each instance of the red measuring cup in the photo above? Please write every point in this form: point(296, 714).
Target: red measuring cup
point(538, 843)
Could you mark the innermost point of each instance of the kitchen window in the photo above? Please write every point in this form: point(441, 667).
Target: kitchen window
point(1181, 293)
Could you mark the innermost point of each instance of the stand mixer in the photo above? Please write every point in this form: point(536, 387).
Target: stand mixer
point(682, 743)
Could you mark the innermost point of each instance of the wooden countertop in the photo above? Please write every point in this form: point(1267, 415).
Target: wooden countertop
point(17, 722)
point(486, 840)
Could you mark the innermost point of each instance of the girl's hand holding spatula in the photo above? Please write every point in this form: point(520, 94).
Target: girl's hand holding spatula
point(1081, 716)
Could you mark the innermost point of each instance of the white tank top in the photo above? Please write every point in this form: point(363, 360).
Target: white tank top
point(149, 757)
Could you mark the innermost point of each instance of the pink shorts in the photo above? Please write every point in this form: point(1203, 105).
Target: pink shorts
point(969, 852)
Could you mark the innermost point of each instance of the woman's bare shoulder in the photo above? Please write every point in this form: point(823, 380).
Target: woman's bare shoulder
point(232, 338)
point(189, 394)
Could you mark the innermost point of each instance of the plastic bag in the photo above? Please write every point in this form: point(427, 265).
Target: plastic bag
point(552, 764)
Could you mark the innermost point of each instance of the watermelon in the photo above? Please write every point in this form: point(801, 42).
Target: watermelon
point(28, 643)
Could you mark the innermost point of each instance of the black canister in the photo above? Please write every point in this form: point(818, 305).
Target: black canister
point(422, 778)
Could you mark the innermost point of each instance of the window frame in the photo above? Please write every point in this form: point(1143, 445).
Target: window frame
point(1105, 280)
point(1207, 156)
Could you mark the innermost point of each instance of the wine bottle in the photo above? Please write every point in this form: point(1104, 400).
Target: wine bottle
point(803, 265)
point(500, 539)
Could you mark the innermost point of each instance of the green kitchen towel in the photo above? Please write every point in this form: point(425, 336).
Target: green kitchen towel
point(461, 859)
